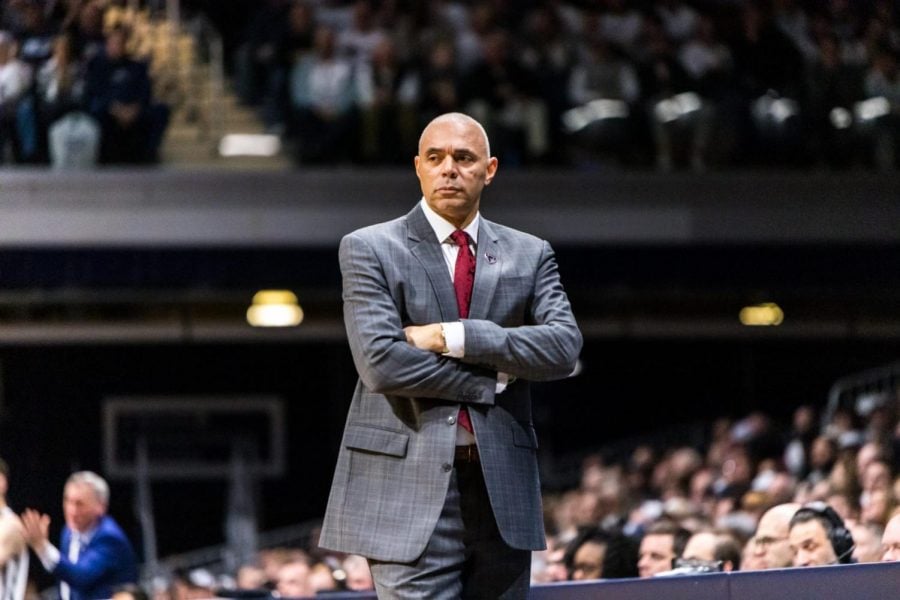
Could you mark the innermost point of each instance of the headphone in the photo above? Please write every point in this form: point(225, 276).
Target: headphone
point(841, 540)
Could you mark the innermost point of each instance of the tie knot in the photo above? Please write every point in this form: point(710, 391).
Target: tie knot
point(460, 237)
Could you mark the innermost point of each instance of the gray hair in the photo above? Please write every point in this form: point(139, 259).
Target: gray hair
point(94, 481)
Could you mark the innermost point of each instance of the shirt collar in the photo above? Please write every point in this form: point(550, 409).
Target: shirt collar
point(85, 537)
point(443, 228)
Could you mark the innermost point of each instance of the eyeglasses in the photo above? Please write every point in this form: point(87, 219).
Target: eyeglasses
point(766, 541)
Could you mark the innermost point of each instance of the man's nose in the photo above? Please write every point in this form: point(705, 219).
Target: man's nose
point(448, 166)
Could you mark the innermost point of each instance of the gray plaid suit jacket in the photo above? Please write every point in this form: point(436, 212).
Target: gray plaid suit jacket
point(395, 459)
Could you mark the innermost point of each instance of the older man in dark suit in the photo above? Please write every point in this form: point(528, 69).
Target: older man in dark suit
point(448, 316)
point(94, 556)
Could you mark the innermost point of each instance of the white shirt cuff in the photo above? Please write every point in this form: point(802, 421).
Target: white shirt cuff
point(503, 380)
point(455, 338)
point(49, 556)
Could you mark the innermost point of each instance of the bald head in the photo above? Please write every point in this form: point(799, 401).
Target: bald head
point(780, 516)
point(453, 166)
point(770, 546)
point(457, 119)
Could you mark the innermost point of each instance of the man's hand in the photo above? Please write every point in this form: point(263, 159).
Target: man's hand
point(426, 337)
point(35, 528)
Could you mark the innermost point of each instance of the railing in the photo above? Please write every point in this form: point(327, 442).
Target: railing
point(864, 391)
point(878, 581)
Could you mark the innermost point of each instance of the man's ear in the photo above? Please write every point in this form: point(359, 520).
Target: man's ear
point(493, 163)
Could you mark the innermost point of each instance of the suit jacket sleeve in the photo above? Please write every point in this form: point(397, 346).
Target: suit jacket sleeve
point(96, 560)
point(544, 348)
point(386, 363)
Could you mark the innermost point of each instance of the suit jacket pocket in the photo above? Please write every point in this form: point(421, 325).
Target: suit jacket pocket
point(524, 436)
point(375, 439)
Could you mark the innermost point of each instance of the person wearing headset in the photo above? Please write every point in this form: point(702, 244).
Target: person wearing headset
point(818, 536)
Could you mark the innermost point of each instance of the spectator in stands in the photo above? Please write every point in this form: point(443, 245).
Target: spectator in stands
point(548, 51)
point(876, 506)
point(13, 549)
point(620, 25)
point(679, 19)
point(35, 37)
point(603, 75)
point(822, 458)
point(440, 82)
point(661, 545)
point(359, 41)
point(293, 580)
point(323, 97)
point(803, 431)
point(357, 576)
point(251, 577)
point(291, 42)
point(882, 80)
point(890, 541)
point(257, 57)
point(387, 101)
point(709, 66)
point(118, 95)
point(60, 81)
point(501, 93)
point(867, 540)
point(718, 549)
point(129, 592)
point(88, 39)
point(600, 554)
point(271, 560)
point(676, 115)
point(94, 556)
point(769, 546)
point(15, 81)
point(833, 87)
point(818, 536)
point(321, 579)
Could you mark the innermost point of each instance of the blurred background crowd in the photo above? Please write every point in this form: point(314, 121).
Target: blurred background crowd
point(582, 85)
point(665, 84)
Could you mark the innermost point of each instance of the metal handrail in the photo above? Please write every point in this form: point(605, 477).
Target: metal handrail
point(885, 379)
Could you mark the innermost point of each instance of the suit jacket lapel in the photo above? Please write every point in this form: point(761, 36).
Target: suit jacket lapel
point(424, 246)
point(488, 262)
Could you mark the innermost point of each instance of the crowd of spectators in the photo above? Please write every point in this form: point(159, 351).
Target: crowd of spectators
point(756, 494)
point(75, 85)
point(670, 83)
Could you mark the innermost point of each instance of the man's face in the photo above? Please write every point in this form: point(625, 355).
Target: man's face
point(867, 546)
point(293, 580)
point(453, 167)
point(656, 554)
point(770, 547)
point(811, 545)
point(4, 486)
point(588, 561)
point(81, 507)
point(890, 541)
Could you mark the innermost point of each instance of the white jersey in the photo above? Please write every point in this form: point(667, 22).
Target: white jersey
point(14, 574)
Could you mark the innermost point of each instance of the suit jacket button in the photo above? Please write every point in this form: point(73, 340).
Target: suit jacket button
point(451, 420)
point(446, 467)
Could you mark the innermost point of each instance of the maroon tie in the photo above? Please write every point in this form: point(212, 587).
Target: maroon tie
point(463, 281)
point(464, 273)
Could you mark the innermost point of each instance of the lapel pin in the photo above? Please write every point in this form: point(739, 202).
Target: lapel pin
point(490, 258)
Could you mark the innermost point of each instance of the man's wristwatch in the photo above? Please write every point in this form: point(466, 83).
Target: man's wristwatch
point(444, 348)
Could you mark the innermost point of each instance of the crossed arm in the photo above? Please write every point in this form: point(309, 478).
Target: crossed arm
point(408, 361)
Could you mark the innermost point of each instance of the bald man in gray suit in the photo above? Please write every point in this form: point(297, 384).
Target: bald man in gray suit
point(437, 480)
